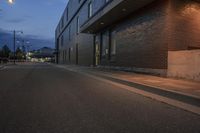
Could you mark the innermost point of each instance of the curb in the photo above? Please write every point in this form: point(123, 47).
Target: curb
point(176, 99)
point(1, 67)
point(182, 97)
point(155, 90)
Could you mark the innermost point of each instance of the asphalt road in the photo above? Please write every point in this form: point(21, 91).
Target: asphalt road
point(46, 99)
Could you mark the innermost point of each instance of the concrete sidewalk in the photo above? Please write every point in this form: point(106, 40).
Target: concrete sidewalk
point(181, 86)
point(180, 93)
point(2, 66)
point(186, 87)
point(5, 64)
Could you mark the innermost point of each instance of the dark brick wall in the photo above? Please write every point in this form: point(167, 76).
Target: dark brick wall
point(184, 17)
point(142, 38)
point(86, 50)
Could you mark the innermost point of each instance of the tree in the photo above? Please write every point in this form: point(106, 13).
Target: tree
point(20, 54)
point(5, 52)
point(1, 53)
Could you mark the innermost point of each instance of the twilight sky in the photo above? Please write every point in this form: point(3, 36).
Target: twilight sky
point(36, 18)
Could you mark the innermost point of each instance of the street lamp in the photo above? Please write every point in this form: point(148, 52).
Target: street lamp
point(26, 45)
point(14, 43)
point(28, 49)
point(11, 1)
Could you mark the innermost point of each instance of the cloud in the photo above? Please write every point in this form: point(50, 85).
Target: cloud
point(15, 20)
point(36, 42)
point(52, 2)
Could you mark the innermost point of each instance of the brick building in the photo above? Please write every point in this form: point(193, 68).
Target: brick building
point(134, 34)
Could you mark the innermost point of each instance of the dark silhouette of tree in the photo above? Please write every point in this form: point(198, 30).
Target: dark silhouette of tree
point(20, 54)
point(5, 52)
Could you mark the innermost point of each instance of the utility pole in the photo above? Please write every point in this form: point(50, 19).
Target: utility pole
point(14, 32)
point(14, 43)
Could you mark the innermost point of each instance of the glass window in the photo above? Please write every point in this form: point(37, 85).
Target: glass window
point(62, 22)
point(77, 25)
point(105, 43)
point(62, 40)
point(67, 14)
point(63, 55)
point(113, 43)
point(90, 9)
point(69, 33)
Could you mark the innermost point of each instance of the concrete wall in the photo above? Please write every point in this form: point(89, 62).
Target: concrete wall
point(184, 64)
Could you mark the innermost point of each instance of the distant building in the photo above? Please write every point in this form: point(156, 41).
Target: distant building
point(44, 54)
point(134, 34)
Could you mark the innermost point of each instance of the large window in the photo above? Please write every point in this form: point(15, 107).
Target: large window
point(62, 22)
point(67, 14)
point(63, 55)
point(62, 40)
point(69, 32)
point(105, 43)
point(90, 9)
point(113, 43)
point(69, 52)
point(77, 25)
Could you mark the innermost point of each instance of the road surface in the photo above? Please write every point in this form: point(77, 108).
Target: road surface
point(41, 98)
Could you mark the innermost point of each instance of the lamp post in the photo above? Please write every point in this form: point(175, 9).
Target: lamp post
point(26, 45)
point(28, 49)
point(14, 43)
point(10, 2)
